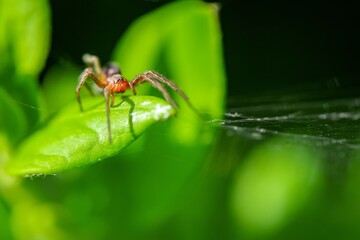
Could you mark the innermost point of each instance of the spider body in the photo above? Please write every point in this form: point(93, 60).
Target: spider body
point(118, 84)
point(109, 78)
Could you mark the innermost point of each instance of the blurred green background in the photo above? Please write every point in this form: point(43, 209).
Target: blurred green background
point(277, 159)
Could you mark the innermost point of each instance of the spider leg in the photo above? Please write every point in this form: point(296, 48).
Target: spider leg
point(107, 93)
point(88, 88)
point(82, 80)
point(143, 77)
point(87, 73)
point(158, 77)
point(112, 99)
point(131, 84)
point(94, 61)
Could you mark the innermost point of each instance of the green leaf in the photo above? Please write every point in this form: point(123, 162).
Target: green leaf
point(12, 120)
point(287, 173)
point(19, 107)
point(60, 78)
point(5, 232)
point(24, 45)
point(187, 45)
point(74, 139)
point(182, 41)
point(24, 35)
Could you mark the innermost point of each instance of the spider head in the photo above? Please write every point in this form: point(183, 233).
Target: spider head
point(118, 83)
point(111, 69)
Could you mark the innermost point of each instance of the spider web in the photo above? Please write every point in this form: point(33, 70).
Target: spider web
point(325, 123)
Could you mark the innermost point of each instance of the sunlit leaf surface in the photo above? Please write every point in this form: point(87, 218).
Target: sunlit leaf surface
point(75, 138)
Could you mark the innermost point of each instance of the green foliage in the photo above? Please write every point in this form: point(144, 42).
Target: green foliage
point(159, 166)
point(24, 45)
point(24, 36)
point(12, 120)
point(182, 40)
point(186, 47)
point(174, 179)
point(74, 139)
point(287, 173)
point(60, 79)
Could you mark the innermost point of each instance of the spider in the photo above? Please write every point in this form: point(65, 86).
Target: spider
point(109, 78)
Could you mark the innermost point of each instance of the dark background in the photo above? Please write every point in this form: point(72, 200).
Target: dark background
point(268, 47)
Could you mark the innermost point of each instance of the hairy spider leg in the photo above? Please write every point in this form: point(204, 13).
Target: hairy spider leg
point(93, 61)
point(112, 99)
point(157, 77)
point(175, 88)
point(88, 72)
point(143, 77)
point(107, 93)
point(88, 88)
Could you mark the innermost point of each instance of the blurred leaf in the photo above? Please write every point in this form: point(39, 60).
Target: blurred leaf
point(25, 93)
point(24, 45)
point(22, 214)
point(33, 219)
point(188, 43)
point(137, 54)
point(276, 182)
point(74, 138)
point(12, 120)
point(24, 35)
point(23, 96)
point(5, 182)
point(5, 232)
point(195, 60)
point(59, 79)
point(182, 41)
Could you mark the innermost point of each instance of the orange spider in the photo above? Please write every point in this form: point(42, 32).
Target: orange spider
point(109, 78)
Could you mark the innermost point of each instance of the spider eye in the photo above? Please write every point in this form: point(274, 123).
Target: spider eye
point(111, 69)
point(119, 78)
